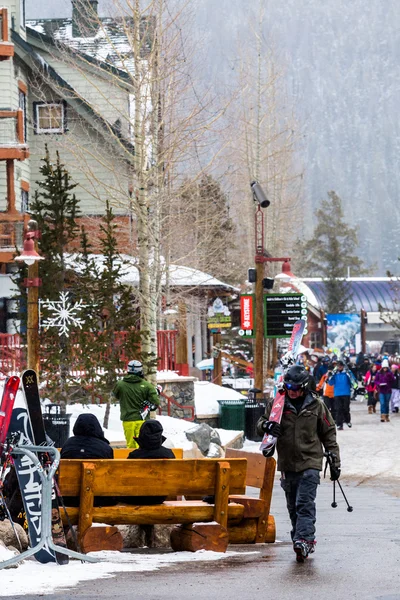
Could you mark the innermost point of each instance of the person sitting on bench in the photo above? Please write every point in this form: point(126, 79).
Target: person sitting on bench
point(150, 441)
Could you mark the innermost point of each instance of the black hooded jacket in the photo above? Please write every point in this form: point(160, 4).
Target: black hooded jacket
point(88, 440)
point(150, 442)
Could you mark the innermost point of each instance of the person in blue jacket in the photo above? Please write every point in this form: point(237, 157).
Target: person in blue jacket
point(342, 386)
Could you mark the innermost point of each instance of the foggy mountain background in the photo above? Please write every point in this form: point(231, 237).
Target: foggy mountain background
point(343, 73)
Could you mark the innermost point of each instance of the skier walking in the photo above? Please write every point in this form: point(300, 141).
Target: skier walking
point(137, 398)
point(384, 381)
point(306, 429)
point(342, 382)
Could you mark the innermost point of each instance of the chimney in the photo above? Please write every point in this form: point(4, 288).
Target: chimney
point(84, 18)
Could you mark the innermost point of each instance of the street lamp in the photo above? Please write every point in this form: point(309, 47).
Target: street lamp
point(31, 258)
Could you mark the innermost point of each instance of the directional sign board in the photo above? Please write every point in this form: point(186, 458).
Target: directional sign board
point(281, 313)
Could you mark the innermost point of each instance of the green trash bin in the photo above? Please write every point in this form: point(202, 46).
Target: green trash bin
point(232, 414)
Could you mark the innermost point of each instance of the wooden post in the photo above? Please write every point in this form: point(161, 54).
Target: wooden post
point(259, 337)
point(217, 373)
point(181, 343)
point(10, 186)
point(33, 317)
point(222, 493)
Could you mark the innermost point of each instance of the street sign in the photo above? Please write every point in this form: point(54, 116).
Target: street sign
point(281, 313)
point(247, 315)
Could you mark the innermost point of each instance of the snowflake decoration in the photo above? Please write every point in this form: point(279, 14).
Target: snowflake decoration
point(65, 313)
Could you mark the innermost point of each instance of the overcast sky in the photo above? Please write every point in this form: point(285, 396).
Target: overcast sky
point(55, 8)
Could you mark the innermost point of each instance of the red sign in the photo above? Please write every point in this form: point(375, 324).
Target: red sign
point(247, 314)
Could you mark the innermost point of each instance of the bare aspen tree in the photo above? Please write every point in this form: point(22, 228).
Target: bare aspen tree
point(139, 154)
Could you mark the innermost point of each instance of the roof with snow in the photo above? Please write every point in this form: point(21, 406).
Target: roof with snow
point(367, 292)
point(179, 276)
point(111, 41)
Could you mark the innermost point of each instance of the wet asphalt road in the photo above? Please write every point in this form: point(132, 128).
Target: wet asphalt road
point(357, 557)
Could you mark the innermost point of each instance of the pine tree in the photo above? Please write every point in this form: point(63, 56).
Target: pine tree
point(331, 254)
point(55, 208)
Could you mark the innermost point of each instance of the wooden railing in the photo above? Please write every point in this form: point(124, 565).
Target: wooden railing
point(12, 135)
point(13, 352)
point(6, 47)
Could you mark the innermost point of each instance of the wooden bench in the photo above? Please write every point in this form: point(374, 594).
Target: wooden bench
point(187, 477)
point(258, 525)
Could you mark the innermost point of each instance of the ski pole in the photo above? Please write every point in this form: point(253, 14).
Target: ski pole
point(349, 508)
point(334, 503)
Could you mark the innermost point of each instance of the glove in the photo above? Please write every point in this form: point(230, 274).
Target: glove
point(272, 428)
point(335, 473)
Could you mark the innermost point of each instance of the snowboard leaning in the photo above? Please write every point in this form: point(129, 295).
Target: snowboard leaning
point(269, 441)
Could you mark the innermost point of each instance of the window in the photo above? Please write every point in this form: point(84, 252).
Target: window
point(24, 201)
point(22, 9)
point(24, 196)
point(22, 102)
point(50, 117)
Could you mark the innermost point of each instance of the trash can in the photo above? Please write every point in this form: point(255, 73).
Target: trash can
point(232, 414)
point(253, 411)
point(56, 424)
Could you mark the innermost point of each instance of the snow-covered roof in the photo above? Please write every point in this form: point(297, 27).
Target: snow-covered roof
point(111, 43)
point(179, 276)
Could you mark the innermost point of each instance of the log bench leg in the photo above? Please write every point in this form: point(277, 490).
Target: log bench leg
point(199, 536)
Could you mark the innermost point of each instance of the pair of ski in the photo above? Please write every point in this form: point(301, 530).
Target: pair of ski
point(269, 441)
point(28, 425)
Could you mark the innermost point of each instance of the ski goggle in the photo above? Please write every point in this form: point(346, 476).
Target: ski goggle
point(294, 387)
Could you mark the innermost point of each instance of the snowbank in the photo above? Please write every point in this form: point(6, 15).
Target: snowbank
point(206, 396)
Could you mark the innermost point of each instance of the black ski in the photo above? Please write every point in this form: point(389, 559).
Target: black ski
point(31, 390)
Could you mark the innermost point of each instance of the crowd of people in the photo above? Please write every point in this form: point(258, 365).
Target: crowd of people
point(337, 381)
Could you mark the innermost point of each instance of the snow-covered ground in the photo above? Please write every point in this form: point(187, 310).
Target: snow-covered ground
point(34, 578)
point(370, 451)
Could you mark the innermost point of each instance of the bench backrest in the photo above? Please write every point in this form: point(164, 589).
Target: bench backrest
point(260, 472)
point(123, 452)
point(121, 477)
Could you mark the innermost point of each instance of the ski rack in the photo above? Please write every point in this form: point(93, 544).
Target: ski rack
point(47, 478)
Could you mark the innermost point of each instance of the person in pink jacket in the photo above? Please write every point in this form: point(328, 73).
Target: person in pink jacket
point(369, 382)
point(384, 381)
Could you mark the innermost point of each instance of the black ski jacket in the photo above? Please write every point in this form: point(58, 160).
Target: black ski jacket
point(88, 440)
point(150, 442)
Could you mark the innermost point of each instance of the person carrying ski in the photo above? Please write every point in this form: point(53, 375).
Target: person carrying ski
point(137, 398)
point(384, 381)
point(306, 429)
point(342, 381)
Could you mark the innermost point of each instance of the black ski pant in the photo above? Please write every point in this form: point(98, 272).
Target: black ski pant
point(342, 410)
point(301, 491)
point(372, 400)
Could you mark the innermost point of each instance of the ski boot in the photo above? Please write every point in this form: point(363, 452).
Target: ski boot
point(302, 549)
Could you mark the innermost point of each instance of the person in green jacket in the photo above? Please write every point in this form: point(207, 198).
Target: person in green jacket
point(137, 398)
point(305, 430)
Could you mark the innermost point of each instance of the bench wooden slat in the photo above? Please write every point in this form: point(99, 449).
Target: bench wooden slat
point(190, 511)
point(120, 477)
point(123, 452)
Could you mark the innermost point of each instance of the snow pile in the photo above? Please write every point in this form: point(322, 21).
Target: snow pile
point(206, 396)
point(168, 375)
point(34, 578)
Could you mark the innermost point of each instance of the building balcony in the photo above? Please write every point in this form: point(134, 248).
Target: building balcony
point(12, 136)
point(12, 227)
point(6, 47)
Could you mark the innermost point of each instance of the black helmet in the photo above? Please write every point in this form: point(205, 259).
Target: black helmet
point(296, 378)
